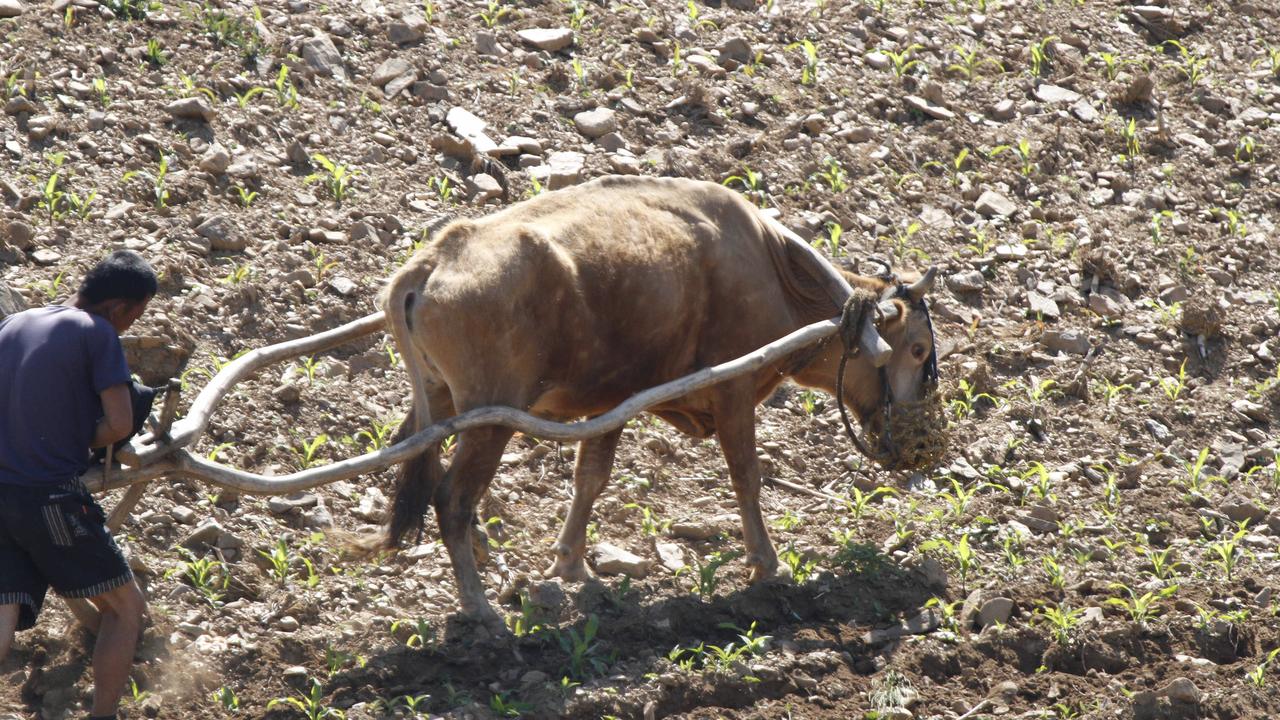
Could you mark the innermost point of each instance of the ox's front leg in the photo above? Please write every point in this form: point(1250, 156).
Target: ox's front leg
point(595, 458)
point(736, 430)
point(479, 452)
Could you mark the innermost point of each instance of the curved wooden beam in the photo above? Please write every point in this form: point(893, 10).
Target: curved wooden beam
point(187, 430)
point(179, 462)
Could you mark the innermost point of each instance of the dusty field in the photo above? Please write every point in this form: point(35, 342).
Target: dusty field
point(1102, 541)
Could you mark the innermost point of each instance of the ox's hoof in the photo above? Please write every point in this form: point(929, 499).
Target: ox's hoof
point(764, 572)
point(487, 620)
point(569, 571)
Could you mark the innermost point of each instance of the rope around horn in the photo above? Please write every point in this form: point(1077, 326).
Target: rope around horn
point(859, 308)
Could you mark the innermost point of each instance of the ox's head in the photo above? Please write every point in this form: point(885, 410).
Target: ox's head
point(890, 393)
point(904, 425)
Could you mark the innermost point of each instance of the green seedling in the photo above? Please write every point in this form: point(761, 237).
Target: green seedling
point(1023, 152)
point(1257, 677)
point(336, 660)
point(1157, 232)
point(226, 697)
point(337, 178)
point(801, 567)
point(1246, 149)
point(833, 175)
point(1062, 622)
point(311, 704)
point(705, 581)
point(100, 90)
point(1054, 571)
point(1190, 65)
point(444, 188)
point(903, 62)
point(583, 650)
point(1173, 386)
point(695, 20)
point(155, 53)
point(159, 194)
point(243, 99)
point(307, 452)
point(208, 576)
point(831, 240)
point(245, 196)
point(963, 405)
point(1141, 608)
point(237, 274)
point(859, 502)
point(752, 184)
point(506, 706)
point(893, 689)
point(809, 73)
point(1226, 553)
point(900, 243)
point(1113, 65)
point(493, 13)
point(1132, 148)
point(960, 554)
point(650, 524)
point(1039, 52)
point(970, 63)
point(281, 559)
point(131, 9)
point(417, 632)
point(286, 92)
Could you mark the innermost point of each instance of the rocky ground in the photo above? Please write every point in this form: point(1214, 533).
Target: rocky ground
point(1096, 180)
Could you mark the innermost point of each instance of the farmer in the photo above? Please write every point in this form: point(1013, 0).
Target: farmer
point(65, 388)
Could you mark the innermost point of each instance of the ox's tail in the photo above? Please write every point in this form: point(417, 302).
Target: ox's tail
point(419, 476)
point(416, 483)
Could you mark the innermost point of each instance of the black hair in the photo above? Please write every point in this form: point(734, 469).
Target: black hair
point(122, 275)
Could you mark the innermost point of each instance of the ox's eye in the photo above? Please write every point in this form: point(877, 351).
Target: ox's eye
point(918, 352)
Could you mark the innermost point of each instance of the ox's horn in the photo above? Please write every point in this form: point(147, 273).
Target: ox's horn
point(919, 288)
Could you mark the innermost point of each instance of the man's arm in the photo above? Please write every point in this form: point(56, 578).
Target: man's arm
point(117, 416)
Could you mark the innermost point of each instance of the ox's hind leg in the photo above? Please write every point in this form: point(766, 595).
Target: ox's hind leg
point(595, 458)
point(736, 430)
point(474, 463)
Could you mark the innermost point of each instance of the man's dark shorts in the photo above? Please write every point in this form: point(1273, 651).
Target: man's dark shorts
point(54, 536)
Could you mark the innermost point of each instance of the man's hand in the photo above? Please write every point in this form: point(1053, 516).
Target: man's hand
point(117, 416)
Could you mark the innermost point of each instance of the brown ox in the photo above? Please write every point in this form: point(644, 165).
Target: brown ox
point(569, 303)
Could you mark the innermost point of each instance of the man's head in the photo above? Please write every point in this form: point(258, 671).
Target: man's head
point(118, 288)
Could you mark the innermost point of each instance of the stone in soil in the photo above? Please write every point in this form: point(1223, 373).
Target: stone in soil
point(1039, 306)
point(1054, 94)
point(995, 610)
point(595, 123)
point(1074, 342)
point(11, 8)
point(20, 234)
point(191, 108)
point(10, 302)
point(613, 560)
point(470, 128)
point(933, 110)
point(389, 70)
point(549, 39)
point(992, 203)
point(321, 54)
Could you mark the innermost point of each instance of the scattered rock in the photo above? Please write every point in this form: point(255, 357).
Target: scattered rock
point(595, 123)
point(482, 187)
point(933, 110)
point(11, 8)
point(215, 160)
point(471, 129)
point(671, 555)
point(1039, 306)
point(925, 622)
point(991, 203)
point(221, 234)
point(1054, 94)
point(389, 70)
point(191, 108)
point(1075, 342)
point(966, 281)
point(1181, 690)
point(694, 530)
point(995, 610)
point(411, 28)
point(549, 39)
point(20, 234)
point(10, 302)
point(613, 560)
point(1240, 509)
point(735, 49)
point(206, 533)
point(292, 503)
point(321, 54)
point(562, 169)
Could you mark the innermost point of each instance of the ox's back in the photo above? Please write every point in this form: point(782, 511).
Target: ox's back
point(572, 301)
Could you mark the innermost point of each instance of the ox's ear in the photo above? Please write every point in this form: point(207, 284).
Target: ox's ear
point(918, 289)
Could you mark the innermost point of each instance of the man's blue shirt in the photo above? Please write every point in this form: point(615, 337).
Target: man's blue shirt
point(54, 363)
